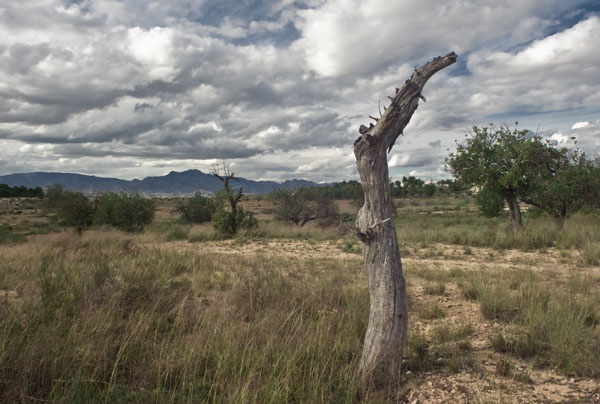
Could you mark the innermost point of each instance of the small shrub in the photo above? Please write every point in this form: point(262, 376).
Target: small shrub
point(227, 225)
point(470, 290)
point(72, 208)
point(456, 272)
point(198, 209)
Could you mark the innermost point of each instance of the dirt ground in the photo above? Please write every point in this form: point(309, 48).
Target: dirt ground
point(477, 384)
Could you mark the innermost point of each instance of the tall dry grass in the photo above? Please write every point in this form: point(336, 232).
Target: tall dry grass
point(104, 319)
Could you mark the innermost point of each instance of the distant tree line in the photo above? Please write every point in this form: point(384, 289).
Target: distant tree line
point(411, 187)
point(408, 187)
point(20, 192)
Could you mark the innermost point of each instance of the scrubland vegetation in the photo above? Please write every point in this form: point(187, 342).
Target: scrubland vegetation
point(175, 313)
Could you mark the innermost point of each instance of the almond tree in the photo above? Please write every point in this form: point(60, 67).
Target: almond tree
point(387, 329)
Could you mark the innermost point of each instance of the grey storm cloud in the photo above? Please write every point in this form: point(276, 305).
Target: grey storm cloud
point(279, 88)
point(415, 158)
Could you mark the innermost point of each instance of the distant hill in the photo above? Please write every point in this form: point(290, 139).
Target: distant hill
point(175, 183)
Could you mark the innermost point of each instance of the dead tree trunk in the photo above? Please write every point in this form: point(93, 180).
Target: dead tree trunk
point(233, 197)
point(386, 332)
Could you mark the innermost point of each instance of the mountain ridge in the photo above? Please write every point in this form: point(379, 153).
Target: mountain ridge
point(175, 183)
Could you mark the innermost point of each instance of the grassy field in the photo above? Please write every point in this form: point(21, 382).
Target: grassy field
point(277, 315)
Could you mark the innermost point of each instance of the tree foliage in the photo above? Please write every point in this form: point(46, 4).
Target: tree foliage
point(227, 224)
point(489, 202)
point(570, 183)
point(72, 209)
point(127, 211)
point(20, 192)
point(303, 205)
point(199, 208)
point(520, 165)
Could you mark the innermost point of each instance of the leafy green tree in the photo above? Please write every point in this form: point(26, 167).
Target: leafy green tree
point(5, 191)
point(323, 206)
point(344, 190)
point(397, 190)
point(199, 208)
point(500, 160)
point(413, 186)
point(429, 189)
point(127, 211)
point(74, 209)
point(569, 183)
point(52, 197)
point(521, 166)
point(291, 206)
point(490, 202)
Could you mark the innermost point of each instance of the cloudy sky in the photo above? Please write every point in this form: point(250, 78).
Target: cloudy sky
point(133, 88)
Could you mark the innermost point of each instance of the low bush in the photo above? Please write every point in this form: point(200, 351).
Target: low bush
point(72, 209)
point(198, 209)
point(303, 205)
point(129, 212)
point(227, 225)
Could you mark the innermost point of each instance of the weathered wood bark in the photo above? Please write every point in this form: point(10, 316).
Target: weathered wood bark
point(386, 333)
